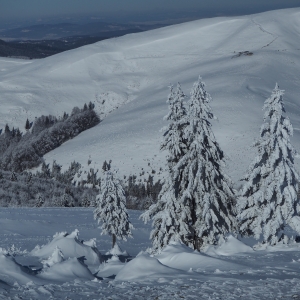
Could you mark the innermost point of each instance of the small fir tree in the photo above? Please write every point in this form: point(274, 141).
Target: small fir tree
point(7, 130)
point(28, 179)
point(105, 166)
point(27, 125)
point(13, 176)
point(56, 170)
point(18, 133)
point(45, 170)
point(39, 200)
point(86, 201)
point(57, 201)
point(13, 132)
point(268, 200)
point(91, 106)
point(111, 210)
point(66, 199)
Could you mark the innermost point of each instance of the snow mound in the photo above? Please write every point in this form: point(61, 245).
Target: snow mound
point(280, 247)
point(116, 250)
point(73, 235)
point(111, 267)
point(66, 271)
point(70, 247)
point(179, 256)
point(56, 257)
point(144, 266)
point(90, 243)
point(229, 246)
point(11, 271)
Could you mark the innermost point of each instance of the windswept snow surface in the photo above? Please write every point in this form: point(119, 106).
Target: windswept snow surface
point(178, 272)
point(132, 73)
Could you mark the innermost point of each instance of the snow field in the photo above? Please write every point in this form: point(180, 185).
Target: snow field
point(127, 78)
point(229, 271)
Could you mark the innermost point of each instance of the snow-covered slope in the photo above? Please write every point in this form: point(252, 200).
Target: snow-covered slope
point(132, 73)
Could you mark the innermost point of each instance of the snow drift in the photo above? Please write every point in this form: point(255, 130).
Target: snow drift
point(70, 246)
point(11, 272)
point(144, 266)
point(179, 256)
point(229, 246)
point(67, 270)
point(111, 267)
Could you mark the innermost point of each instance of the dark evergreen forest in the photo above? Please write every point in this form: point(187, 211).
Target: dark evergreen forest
point(21, 152)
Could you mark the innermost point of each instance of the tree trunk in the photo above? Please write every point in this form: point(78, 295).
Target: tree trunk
point(114, 239)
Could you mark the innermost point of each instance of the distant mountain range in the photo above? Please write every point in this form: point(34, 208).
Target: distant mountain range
point(44, 40)
point(57, 31)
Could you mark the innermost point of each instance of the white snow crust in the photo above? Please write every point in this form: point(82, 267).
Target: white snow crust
point(231, 270)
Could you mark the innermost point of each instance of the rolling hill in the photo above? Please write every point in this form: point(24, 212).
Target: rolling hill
point(128, 77)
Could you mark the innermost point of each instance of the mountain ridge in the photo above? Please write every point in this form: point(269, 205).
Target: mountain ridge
point(128, 77)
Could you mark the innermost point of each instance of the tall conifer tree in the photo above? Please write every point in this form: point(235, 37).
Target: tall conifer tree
point(268, 200)
point(204, 185)
point(195, 204)
point(169, 217)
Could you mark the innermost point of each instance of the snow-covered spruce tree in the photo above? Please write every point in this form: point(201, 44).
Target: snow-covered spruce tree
point(170, 218)
point(39, 200)
point(268, 200)
point(204, 186)
point(13, 176)
point(111, 210)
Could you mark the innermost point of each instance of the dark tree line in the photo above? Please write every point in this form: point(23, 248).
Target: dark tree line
point(22, 152)
point(50, 186)
point(26, 189)
point(140, 195)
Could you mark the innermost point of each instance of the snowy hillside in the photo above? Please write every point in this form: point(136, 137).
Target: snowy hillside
point(132, 73)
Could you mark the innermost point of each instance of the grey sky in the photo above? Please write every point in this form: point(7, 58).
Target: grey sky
point(33, 10)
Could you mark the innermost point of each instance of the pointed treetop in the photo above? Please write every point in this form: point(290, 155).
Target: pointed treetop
point(176, 105)
point(27, 125)
point(198, 104)
point(274, 103)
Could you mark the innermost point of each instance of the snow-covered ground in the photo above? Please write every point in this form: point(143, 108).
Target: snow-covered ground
point(232, 270)
point(127, 78)
point(132, 73)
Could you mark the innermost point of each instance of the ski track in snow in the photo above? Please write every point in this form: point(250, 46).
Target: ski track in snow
point(263, 30)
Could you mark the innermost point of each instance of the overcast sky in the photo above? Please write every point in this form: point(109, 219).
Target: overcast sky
point(132, 10)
